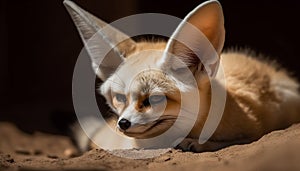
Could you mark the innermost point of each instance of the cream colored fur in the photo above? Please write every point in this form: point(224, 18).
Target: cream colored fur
point(260, 96)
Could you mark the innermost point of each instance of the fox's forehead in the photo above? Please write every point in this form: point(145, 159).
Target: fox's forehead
point(148, 81)
point(141, 74)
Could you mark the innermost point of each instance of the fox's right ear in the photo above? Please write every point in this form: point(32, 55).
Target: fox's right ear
point(198, 40)
point(98, 36)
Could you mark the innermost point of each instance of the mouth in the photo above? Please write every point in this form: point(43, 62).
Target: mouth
point(151, 129)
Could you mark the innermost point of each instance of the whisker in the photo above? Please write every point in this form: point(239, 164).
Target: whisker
point(116, 83)
point(121, 80)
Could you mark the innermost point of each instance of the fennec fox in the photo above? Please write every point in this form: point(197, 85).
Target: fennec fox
point(144, 87)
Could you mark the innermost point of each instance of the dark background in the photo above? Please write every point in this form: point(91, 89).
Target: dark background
point(39, 47)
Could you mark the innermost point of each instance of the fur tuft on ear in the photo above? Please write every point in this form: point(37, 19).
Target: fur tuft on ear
point(97, 37)
point(200, 34)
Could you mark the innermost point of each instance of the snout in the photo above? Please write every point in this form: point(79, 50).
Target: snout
point(124, 124)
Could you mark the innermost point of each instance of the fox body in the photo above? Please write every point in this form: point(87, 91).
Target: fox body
point(147, 88)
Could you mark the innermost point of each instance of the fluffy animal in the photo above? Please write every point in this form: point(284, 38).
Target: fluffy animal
point(147, 84)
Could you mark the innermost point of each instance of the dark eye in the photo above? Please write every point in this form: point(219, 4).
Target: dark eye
point(156, 99)
point(121, 98)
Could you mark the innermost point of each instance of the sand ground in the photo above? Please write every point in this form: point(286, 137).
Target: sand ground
point(278, 150)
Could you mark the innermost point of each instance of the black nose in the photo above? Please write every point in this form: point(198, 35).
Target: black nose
point(124, 124)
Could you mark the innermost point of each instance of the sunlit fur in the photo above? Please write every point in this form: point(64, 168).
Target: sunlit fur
point(261, 97)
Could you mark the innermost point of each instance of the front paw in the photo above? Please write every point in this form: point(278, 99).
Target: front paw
point(189, 144)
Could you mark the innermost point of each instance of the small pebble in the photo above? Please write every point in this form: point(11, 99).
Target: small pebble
point(167, 159)
point(10, 160)
point(163, 159)
point(37, 152)
point(22, 151)
point(52, 156)
point(28, 159)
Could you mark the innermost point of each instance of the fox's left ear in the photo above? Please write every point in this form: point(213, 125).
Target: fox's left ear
point(101, 40)
point(201, 34)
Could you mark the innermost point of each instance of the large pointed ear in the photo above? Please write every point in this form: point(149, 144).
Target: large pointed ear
point(98, 36)
point(199, 38)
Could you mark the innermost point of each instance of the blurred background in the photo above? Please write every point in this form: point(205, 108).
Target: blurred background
point(39, 47)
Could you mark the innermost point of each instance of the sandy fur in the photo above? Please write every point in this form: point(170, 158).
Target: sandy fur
point(261, 97)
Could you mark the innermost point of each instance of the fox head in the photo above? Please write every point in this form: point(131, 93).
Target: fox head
point(143, 82)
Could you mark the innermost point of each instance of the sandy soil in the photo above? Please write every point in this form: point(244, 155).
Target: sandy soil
point(279, 150)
